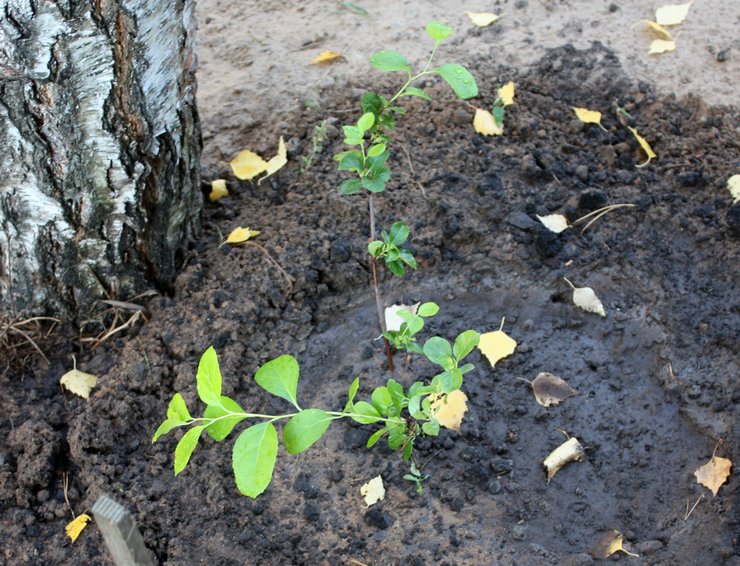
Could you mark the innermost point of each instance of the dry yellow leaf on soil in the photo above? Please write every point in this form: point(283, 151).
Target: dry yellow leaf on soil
point(569, 451)
point(645, 147)
point(659, 46)
point(277, 162)
point(450, 409)
point(373, 491)
point(78, 382)
point(672, 14)
point(326, 57)
point(76, 526)
point(506, 93)
point(485, 124)
point(554, 222)
point(608, 544)
point(482, 19)
point(714, 473)
point(588, 116)
point(241, 235)
point(496, 346)
point(247, 165)
point(733, 185)
point(659, 28)
point(549, 389)
point(393, 321)
point(218, 190)
point(585, 298)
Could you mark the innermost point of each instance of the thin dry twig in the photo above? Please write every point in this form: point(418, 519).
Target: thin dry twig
point(65, 475)
point(689, 512)
point(17, 327)
point(598, 214)
point(274, 261)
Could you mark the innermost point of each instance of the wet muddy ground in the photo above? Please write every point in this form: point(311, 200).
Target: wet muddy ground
point(657, 378)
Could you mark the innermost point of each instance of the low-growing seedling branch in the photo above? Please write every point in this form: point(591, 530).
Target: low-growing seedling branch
point(404, 414)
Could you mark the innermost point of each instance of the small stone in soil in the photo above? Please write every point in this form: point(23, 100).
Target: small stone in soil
point(376, 518)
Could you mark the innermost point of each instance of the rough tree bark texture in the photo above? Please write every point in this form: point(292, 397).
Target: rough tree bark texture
point(99, 148)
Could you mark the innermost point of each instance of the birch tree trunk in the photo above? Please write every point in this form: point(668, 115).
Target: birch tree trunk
point(99, 147)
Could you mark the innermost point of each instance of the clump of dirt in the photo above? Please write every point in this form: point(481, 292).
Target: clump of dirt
point(655, 377)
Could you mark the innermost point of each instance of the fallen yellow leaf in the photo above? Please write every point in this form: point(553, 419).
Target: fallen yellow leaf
point(554, 222)
point(496, 345)
point(659, 46)
point(714, 473)
point(326, 57)
point(608, 544)
point(644, 145)
point(569, 451)
point(733, 185)
point(78, 382)
point(449, 409)
point(276, 162)
point(482, 19)
point(485, 124)
point(241, 235)
point(588, 116)
point(506, 93)
point(75, 527)
point(218, 190)
point(659, 28)
point(585, 298)
point(672, 14)
point(373, 491)
point(247, 165)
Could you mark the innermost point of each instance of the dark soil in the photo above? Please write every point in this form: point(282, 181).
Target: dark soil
point(657, 378)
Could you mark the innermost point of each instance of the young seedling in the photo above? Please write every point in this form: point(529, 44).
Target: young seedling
point(318, 139)
point(404, 337)
point(416, 476)
point(405, 414)
point(369, 139)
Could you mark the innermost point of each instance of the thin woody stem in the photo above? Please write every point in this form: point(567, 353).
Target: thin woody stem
point(376, 287)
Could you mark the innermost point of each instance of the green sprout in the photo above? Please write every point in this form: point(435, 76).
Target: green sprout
point(387, 248)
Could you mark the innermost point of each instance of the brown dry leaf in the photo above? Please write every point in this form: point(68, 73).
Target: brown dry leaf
point(76, 526)
point(659, 46)
point(659, 28)
point(644, 145)
point(714, 473)
point(218, 190)
point(241, 235)
point(277, 162)
point(733, 185)
point(496, 345)
point(326, 57)
point(672, 14)
point(373, 491)
point(485, 124)
point(549, 389)
point(482, 19)
point(506, 93)
point(585, 298)
point(569, 451)
point(450, 409)
point(554, 222)
point(608, 544)
point(78, 382)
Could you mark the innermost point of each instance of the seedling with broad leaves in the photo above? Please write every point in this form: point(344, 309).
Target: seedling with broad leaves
point(405, 414)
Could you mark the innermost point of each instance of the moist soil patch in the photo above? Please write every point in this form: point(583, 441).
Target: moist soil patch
point(656, 377)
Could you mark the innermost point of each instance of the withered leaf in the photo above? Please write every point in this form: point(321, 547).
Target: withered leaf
point(549, 389)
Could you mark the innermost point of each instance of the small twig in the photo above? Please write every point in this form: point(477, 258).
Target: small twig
point(598, 214)
point(569, 283)
point(274, 261)
point(413, 171)
point(432, 457)
point(689, 512)
point(65, 475)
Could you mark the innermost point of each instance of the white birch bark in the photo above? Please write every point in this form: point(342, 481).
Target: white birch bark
point(99, 147)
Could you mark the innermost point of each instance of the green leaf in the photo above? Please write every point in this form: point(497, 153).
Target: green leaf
point(390, 61)
point(467, 368)
point(438, 31)
point(438, 350)
point(223, 427)
point(428, 309)
point(352, 135)
point(399, 233)
point(375, 248)
point(376, 149)
point(366, 122)
point(185, 448)
point(407, 450)
point(304, 429)
point(460, 79)
point(413, 91)
point(397, 436)
point(177, 410)
point(166, 427)
point(354, 386)
point(395, 267)
point(352, 161)
point(498, 115)
point(376, 182)
point(350, 187)
point(369, 413)
point(464, 344)
point(208, 378)
point(280, 377)
point(431, 428)
point(406, 257)
point(415, 408)
point(253, 458)
point(371, 102)
point(380, 399)
point(377, 435)
point(448, 381)
point(396, 391)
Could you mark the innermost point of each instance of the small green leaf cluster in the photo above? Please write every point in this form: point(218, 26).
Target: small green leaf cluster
point(404, 337)
point(416, 476)
point(387, 248)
